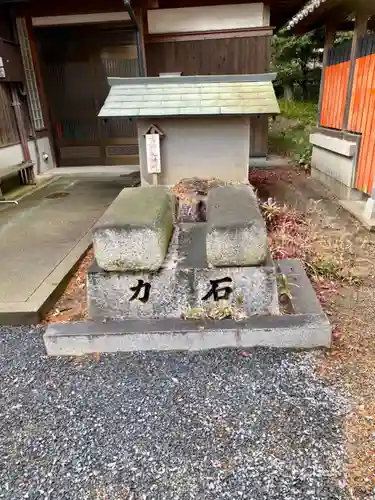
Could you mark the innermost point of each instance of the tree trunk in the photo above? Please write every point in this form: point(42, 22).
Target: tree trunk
point(305, 72)
point(288, 92)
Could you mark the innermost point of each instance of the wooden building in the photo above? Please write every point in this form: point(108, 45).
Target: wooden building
point(23, 135)
point(344, 140)
point(70, 48)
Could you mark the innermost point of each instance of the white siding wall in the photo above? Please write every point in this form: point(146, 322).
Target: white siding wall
point(195, 147)
point(218, 17)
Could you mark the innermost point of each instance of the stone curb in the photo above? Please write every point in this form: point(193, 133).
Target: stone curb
point(31, 311)
point(307, 329)
point(297, 332)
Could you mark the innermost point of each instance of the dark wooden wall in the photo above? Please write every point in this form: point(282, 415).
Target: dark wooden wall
point(209, 57)
point(6, 28)
point(8, 126)
point(55, 8)
point(258, 136)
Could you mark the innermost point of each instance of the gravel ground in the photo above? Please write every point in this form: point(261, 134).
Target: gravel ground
point(217, 425)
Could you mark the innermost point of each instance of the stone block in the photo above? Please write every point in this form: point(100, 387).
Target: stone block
point(172, 292)
point(338, 188)
point(357, 209)
point(190, 207)
point(369, 212)
point(163, 294)
point(236, 233)
point(334, 161)
point(134, 233)
point(253, 289)
point(337, 145)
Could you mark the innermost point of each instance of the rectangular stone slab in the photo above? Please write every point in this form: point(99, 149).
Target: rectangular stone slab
point(236, 233)
point(172, 292)
point(300, 331)
point(134, 233)
point(163, 294)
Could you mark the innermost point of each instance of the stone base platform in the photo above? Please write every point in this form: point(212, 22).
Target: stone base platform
point(308, 327)
point(357, 209)
point(185, 281)
point(76, 339)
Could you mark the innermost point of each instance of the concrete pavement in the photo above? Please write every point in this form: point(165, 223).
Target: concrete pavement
point(43, 237)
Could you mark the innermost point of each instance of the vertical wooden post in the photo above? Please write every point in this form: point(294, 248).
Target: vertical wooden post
point(360, 29)
point(141, 16)
point(45, 107)
point(328, 44)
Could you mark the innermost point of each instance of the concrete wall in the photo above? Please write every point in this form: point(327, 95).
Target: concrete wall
point(44, 146)
point(334, 161)
point(202, 147)
point(12, 155)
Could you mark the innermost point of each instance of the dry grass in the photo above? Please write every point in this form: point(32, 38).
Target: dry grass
point(223, 309)
point(351, 362)
point(72, 305)
point(339, 257)
point(360, 429)
point(293, 235)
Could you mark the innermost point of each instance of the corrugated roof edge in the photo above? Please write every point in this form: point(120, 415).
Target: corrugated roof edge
point(144, 80)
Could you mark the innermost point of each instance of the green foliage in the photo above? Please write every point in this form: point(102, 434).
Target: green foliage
point(296, 59)
point(304, 112)
point(289, 133)
point(343, 36)
point(223, 309)
point(326, 267)
point(284, 286)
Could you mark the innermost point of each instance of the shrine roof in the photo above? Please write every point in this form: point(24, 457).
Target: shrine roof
point(191, 96)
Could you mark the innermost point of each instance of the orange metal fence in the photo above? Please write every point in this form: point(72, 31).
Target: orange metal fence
point(334, 95)
point(362, 105)
point(336, 77)
point(362, 120)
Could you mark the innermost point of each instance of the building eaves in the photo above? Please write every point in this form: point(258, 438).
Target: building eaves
point(307, 10)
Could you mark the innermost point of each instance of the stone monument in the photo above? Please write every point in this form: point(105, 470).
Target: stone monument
point(164, 256)
point(150, 266)
point(172, 279)
point(170, 264)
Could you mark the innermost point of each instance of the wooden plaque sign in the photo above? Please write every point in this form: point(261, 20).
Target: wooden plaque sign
point(153, 153)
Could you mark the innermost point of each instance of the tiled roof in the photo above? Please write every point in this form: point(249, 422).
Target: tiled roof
point(190, 96)
point(304, 13)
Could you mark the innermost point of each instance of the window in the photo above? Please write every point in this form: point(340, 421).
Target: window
point(31, 84)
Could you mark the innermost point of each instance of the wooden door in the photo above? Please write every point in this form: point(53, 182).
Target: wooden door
point(76, 62)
